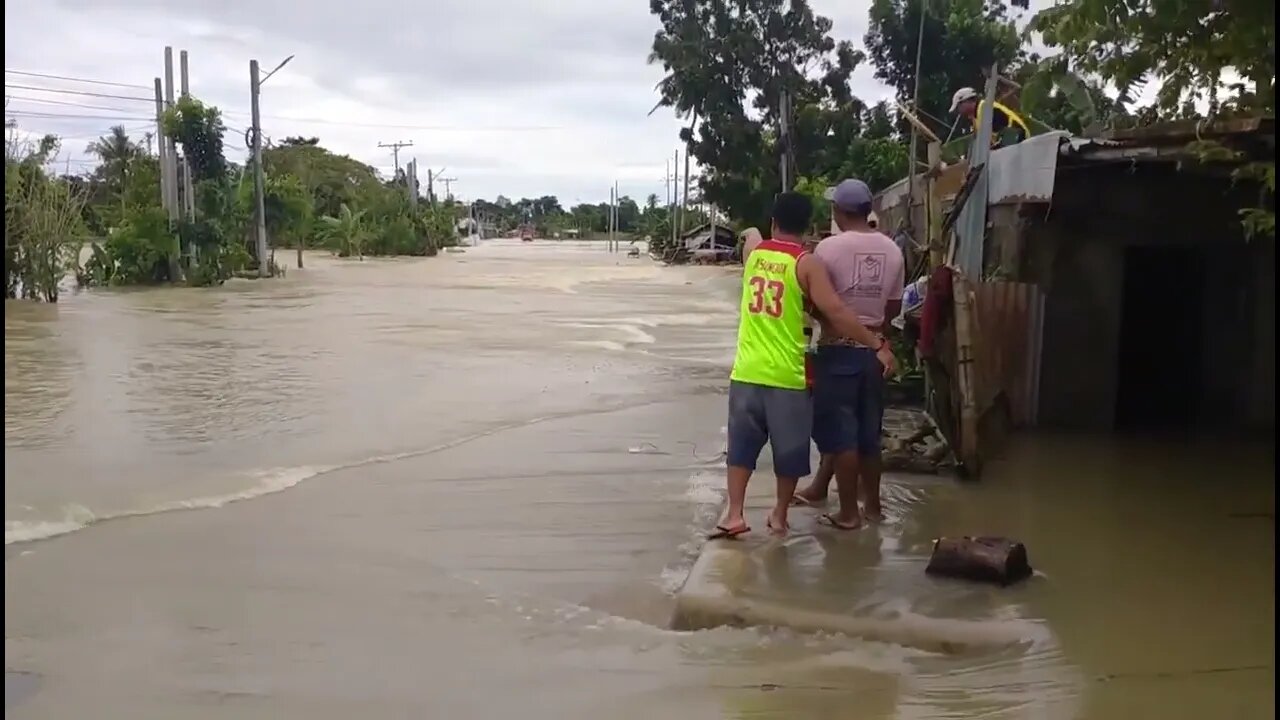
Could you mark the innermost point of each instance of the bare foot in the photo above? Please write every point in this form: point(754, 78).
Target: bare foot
point(808, 497)
point(873, 513)
point(777, 523)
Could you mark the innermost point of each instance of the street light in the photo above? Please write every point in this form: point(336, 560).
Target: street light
point(255, 87)
point(274, 71)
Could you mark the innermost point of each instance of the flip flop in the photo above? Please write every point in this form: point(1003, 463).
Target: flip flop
point(831, 521)
point(724, 533)
point(798, 501)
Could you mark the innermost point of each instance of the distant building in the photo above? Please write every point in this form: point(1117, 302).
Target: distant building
point(701, 244)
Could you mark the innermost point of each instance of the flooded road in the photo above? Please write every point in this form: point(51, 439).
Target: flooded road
point(469, 486)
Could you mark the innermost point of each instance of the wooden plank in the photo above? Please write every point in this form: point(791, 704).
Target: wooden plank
point(933, 208)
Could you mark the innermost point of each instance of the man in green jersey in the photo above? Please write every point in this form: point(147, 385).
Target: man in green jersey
point(768, 398)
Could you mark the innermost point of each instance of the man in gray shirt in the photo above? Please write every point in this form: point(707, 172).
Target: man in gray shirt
point(867, 270)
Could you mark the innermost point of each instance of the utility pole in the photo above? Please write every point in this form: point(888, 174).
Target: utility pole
point(675, 199)
point(684, 201)
point(174, 201)
point(784, 139)
point(608, 243)
point(188, 185)
point(259, 210)
point(395, 151)
point(411, 180)
point(163, 146)
point(448, 183)
point(617, 205)
point(255, 147)
point(666, 178)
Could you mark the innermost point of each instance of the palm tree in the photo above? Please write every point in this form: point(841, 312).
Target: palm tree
point(346, 231)
point(117, 151)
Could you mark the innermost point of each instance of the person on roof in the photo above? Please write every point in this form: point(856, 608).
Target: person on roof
point(1007, 126)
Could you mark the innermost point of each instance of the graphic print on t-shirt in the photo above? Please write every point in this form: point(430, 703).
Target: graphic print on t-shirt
point(868, 274)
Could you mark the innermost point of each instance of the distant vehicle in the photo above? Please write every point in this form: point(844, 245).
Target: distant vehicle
point(633, 252)
point(526, 234)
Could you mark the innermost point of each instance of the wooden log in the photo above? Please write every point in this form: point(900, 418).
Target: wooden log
point(984, 559)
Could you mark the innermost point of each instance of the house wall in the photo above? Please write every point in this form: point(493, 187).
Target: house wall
point(1075, 250)
point(1081, 273)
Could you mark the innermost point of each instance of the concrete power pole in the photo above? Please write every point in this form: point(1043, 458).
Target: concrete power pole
point(675, 200)
point(188, 186)
point(684, 201)
point(260, 213)
point(784, 139)
point(411, 180)
point(174, 200)
point(395, 151)
point(617, 206)
point(666, 178)
point(163, 148)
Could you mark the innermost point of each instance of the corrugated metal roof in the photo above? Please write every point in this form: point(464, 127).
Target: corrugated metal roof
point(1024, 172)
point(1017, 173)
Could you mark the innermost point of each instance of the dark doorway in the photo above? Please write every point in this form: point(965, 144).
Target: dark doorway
point(1161, 338)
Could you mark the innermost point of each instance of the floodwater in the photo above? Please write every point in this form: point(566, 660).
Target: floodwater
point(470, 486)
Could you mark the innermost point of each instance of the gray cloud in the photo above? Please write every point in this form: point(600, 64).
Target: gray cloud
point(518, 97)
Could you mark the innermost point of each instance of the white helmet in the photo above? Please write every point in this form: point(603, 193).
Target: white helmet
point(962, 95)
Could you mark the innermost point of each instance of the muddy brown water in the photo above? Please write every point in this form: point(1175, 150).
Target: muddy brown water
point(469, 486)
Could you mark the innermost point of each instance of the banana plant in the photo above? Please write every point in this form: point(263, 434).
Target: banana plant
point(346, 232)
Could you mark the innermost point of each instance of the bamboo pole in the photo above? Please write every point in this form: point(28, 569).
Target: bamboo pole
point(965, 374)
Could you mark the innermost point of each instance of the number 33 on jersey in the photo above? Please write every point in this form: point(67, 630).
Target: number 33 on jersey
point(771, 341)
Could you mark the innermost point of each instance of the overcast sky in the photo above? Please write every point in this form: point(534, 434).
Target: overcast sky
point(518, 97)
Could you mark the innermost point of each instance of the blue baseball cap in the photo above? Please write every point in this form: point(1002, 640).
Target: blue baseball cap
point(852, 196)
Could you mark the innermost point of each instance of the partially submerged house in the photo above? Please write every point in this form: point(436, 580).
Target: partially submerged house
point(1110, 280)
point(705, 244)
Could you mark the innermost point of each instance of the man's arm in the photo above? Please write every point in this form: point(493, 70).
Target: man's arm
point(751, 239)
point(897, 283)
point(817, 288)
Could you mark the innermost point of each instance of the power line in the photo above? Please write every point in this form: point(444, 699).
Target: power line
point(389, 126)
point(74, 79)
point(306, 120)
point(50, 101)
point(81, 92)
point(37, 114)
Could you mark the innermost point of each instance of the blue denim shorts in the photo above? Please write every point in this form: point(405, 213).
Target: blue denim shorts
point(782, 418)
point(848, 400)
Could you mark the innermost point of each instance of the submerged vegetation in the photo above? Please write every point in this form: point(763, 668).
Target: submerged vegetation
point(108, 227)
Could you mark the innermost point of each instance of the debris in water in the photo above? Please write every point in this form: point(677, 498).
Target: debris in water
point(985, 559)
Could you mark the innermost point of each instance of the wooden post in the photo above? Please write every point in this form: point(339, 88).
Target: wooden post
point(933, 207)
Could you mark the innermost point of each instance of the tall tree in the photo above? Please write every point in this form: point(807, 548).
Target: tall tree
point(1192, 48)
point(962, 38)
point(727, 65)
point(117, 151)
